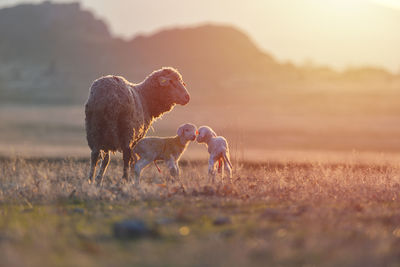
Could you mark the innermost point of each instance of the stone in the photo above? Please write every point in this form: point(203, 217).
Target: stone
point(133, 229)
point(222, 220)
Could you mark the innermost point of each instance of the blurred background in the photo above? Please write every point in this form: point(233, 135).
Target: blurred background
point(282, 80)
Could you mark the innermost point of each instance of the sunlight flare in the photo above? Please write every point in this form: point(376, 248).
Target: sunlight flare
point(388, 3)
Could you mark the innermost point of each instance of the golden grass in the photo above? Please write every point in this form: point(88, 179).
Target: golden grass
point(316, 182)
point(51, 179)
point(282, 214)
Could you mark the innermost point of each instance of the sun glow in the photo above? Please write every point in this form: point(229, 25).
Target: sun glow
point(350, 4)
point(388, 3)
point(345, 4)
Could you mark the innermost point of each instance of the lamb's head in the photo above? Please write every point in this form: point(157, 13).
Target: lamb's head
point(187, 132)
point(205, 133)
point(163, 89)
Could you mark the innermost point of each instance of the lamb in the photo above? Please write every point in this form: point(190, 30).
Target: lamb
point(218, 149)
point(167, 149)
point(119, 113)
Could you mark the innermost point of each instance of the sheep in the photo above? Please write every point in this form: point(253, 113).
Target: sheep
point(119, 113)
point(167, 149)
point(218, 149)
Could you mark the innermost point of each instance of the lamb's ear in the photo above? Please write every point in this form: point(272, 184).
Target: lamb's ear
point(180, 131)
point(213, 134)
point(163, 81)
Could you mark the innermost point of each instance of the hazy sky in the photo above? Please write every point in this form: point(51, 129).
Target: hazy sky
point(339, 33)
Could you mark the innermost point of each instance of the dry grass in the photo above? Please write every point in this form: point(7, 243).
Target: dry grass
point(288, 214)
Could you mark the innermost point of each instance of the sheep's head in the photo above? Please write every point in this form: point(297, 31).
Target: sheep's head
point(187, 132)
point(162, 89)
point(205, 133)
point(173, 87)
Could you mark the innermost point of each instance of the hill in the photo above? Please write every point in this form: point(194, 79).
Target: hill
point(50, 53)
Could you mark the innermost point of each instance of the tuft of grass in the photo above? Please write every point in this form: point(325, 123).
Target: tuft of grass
point(279, 214)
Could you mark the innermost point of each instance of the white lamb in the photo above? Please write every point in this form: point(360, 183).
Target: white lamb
point(218, 149)
point(167, 149)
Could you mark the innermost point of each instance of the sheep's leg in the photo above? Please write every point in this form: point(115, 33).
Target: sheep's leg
point(103, 168)
point(139, 165)
point(94, 159)
point(127, 156)
point(211, 169)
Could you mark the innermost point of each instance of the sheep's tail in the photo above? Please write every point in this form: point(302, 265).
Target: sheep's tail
point(226, 159)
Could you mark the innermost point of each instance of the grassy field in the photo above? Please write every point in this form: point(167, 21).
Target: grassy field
point(316, 183)
point(285, 214)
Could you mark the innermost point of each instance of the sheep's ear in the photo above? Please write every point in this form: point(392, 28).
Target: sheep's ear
point(163, 80)
point(180, 131)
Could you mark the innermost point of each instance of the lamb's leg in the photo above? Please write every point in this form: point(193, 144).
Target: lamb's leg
point(228, 165)
point(172, 166)
point(139, 165)
point(228, 171)
point(94, 159)
point(221, 167)
point(127, 155)
point(174, 169)
point(211, 169)
point(103, 168)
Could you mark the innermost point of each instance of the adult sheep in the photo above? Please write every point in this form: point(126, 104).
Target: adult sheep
point(119, 113)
